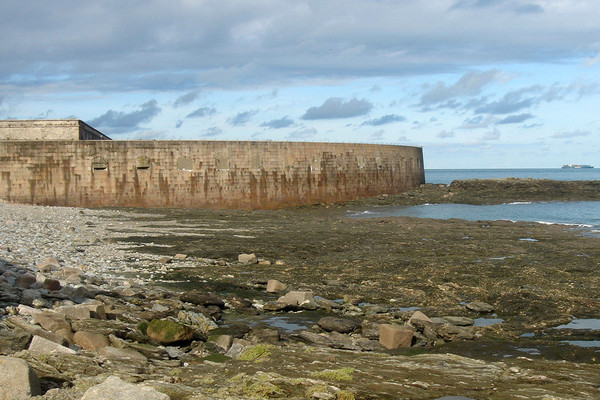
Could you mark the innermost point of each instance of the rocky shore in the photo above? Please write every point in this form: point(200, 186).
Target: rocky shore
point(295, 304)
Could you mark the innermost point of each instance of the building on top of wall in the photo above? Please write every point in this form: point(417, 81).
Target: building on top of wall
point(49, 129)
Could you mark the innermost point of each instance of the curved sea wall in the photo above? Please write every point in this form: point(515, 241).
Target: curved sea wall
point(202, 174)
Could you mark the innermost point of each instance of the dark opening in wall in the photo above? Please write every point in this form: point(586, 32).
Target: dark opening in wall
point(99, 164)
point(142, 163)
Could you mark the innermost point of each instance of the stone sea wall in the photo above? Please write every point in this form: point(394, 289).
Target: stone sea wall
point(210, 174)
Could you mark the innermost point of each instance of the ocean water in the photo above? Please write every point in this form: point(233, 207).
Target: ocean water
point(583, 215)
point(446, 176)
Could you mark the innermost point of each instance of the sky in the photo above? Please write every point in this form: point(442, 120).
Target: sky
point(475, 83)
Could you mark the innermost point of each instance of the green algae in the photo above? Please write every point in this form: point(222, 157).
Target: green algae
point(258, 353)
point(341, 374)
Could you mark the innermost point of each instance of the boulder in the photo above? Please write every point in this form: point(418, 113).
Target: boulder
point(167, 331)
point(274, 286)
point(395, 336)
point(480, 306)
point(296, 297)
point(75, 312)
point(223, 341)
point(370, 330)
point(264, 335)
point(121, 354)
point(113, 388)
point(52, 321)
point(97, 311)
point(52, 284)
point(197, 320)
point(202, 298)
point(89, 340)
point(341, 325)
point(238, 346)
point(180, 256)
point(368, 344)
point(22, 309)
point(44, 346)
point(274, 306)
point(49, 264)
point(248, 258)
point(418, 315)
point(239, 302)
point(17, 380)
point(25, 281)
point(340, 341)
point(314, 338)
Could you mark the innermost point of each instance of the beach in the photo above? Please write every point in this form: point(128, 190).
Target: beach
point(483, 301)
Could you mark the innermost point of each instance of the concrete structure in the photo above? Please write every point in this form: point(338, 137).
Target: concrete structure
point(48, 129)
point(203, 174)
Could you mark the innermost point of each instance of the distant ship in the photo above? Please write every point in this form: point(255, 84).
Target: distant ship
point(577, 166)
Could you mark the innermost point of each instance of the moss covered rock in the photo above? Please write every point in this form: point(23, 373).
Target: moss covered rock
point(167, 332)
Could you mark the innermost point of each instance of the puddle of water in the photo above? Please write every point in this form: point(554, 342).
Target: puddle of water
point(286, 325)
point(406, 309)
point(591, 323)
point(528, 240)
point(527, 334)
point(530, 350)
point(288, 322)
point(487, 321)
point(583, 343)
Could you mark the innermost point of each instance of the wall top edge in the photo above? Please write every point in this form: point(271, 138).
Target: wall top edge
point(41, 120)
point(219, 142)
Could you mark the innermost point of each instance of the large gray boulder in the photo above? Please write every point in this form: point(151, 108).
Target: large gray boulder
point(114, 388)
point(17, 379)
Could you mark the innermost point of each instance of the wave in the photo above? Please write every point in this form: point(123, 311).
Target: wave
point(564, 224)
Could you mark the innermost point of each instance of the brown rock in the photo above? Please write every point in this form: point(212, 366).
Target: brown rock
point(52, 284)
point(296, 297)
point(25, 281)
point(17, 380)
point(49, 264)
point(89, 340)
point(121, 354)
point(248, 258)
point(418, 315)
point(274, 286)
point(480, 306)
point(223, 341)
point(44, 346)
point(75, 312)
point(52, 321)
point(395, 336)
point(202, 298)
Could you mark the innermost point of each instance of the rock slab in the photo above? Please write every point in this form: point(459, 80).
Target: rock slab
point(341, 325)
point(113, 388)
point(395, 336)
point(17, 379)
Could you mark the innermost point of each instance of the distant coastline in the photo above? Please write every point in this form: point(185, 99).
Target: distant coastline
point(576, 166)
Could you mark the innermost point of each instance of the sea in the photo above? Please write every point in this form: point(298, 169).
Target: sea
point(581, 215)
